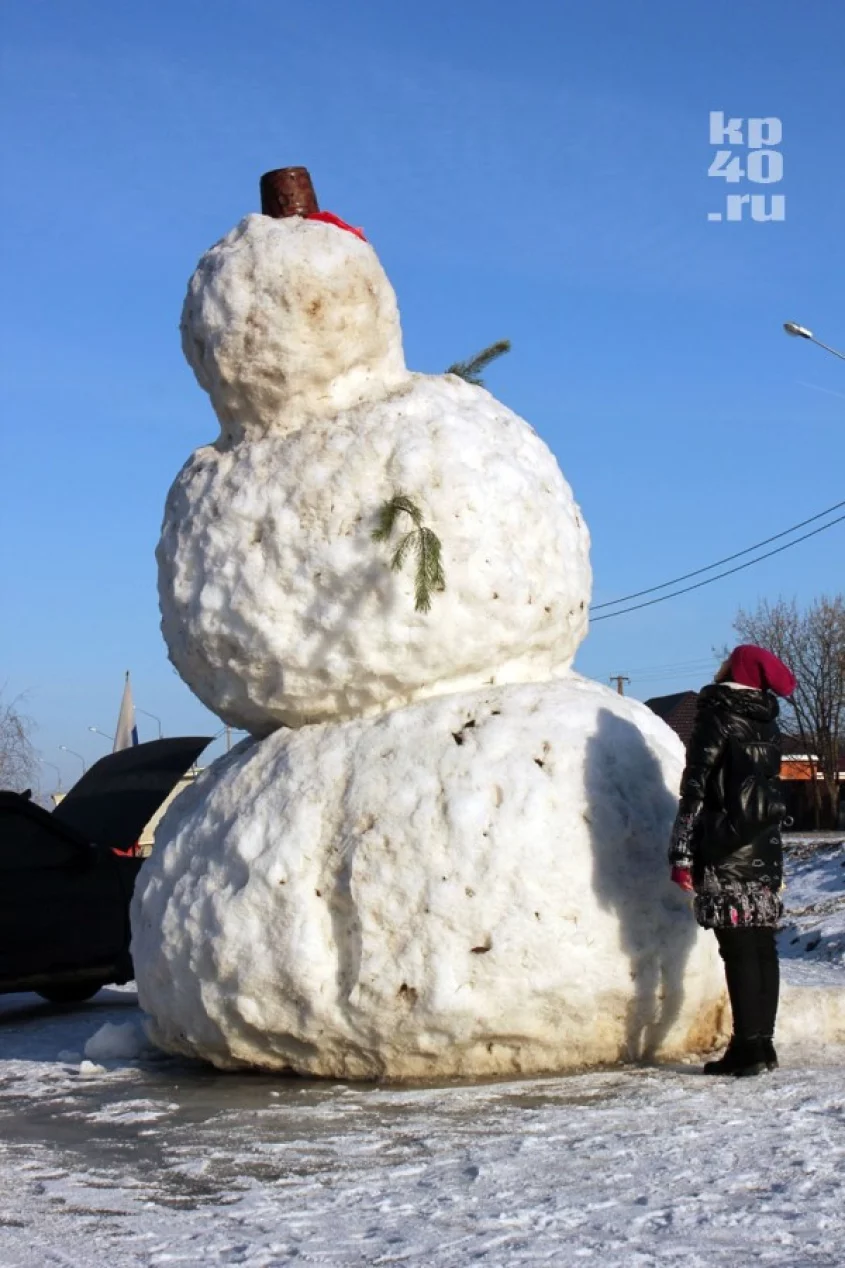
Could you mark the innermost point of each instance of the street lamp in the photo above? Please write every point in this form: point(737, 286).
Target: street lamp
point(227, 731)
point(58, 773)
point(73, 751)
point(97, 731)
point(154, 718)
point(801, 332)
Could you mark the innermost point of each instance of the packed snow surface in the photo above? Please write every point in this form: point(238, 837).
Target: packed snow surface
point(472, 885)
point(287, 320)
point(153, 1164)
point(149, 1163)
point(279, 608)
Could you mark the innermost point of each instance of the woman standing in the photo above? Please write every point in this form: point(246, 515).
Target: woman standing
point(726, 843)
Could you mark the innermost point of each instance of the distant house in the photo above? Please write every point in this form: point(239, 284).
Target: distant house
point(797, 770)
point(678, 712)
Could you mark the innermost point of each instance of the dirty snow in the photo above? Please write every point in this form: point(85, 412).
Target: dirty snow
point(154, 1162)
point(279, 608)
point(470, 886)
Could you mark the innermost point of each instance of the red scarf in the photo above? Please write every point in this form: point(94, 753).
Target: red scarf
point(329, 218)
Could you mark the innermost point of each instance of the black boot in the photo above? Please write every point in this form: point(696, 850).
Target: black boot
point(743, 1058)
point(752, 1060)
point(770, 1055)
point(728, 1062)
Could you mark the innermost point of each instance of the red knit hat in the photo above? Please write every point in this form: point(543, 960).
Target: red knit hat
point(751, 666)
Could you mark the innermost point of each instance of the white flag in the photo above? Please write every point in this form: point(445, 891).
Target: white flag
point(126, 733)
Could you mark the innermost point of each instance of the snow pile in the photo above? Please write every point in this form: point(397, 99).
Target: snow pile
point(812, 944)
point(471, 885)
point(278, 607)
point(811, 1017)
point(815, 898)
point(90, 1069)
point(287, 320)
point(117, 1041)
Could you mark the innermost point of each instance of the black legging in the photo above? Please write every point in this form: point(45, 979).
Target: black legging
point(753, 976)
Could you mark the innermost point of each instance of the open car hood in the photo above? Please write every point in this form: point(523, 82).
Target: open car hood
point(114, 801)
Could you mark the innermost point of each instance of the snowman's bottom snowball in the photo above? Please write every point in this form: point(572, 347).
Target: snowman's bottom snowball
point(472, 885)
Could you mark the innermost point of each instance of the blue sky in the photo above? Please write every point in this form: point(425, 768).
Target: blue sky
point(536, 171)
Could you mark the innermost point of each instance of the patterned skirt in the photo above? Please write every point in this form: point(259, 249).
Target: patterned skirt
point(723, 904)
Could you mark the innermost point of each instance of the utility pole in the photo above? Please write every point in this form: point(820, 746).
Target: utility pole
point(619, 679)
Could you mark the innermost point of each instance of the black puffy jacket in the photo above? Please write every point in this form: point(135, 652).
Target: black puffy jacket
point(731, 786)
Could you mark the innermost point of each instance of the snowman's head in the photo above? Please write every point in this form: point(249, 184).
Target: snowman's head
point(287, 320)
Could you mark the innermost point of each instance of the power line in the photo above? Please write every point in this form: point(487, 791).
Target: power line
point(668, 684)
point(671, 675)
point(700, 663)
point(669, 672)
point(739, 568)
point(675, 676)
point(638, 594)
point(665, 674)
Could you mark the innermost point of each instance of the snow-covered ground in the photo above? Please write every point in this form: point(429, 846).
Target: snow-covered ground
point(112, 1156)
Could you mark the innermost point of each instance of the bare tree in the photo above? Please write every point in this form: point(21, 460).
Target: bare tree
point(812, 643)
point(18, 759)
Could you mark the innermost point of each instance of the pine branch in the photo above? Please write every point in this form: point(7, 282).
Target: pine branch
point(430, 576)
point(402, 549)
point(471, 369)
point(388, 512)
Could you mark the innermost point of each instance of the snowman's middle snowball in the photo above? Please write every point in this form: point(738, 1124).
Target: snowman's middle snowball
point(279, 608)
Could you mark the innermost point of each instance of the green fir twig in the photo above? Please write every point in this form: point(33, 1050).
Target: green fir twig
point(388, 512)
point(425, 543)
point(471, 369)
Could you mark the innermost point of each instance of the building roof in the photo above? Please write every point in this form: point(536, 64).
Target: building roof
point(677, 711)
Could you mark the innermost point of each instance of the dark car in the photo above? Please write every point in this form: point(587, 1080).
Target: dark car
point(66, 877)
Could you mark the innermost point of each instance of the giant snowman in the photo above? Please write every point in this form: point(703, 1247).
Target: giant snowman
point(441, 852)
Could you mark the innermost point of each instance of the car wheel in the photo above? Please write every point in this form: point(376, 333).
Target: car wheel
point(70, 992)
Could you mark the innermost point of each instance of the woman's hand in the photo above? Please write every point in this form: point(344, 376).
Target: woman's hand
point(682, 877)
